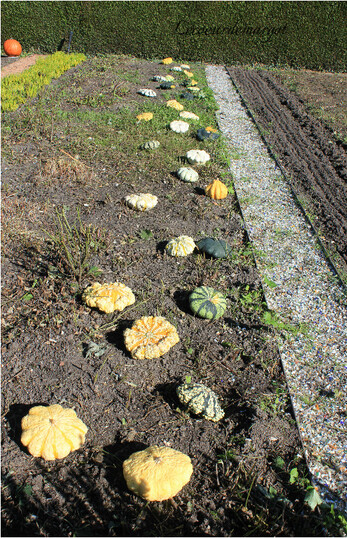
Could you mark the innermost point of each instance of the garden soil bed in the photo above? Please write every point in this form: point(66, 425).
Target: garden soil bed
point(313, 160)
point(57, 350)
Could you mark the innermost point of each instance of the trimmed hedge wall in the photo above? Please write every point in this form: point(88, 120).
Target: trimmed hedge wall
point(297, 34)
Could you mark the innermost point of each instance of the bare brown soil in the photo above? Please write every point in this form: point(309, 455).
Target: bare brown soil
point(57, 350)
point(308, 149)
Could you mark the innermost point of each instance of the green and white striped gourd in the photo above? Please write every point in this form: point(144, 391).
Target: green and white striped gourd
point(151, 144)
point(180, 246)
point(207, 303)
point(188, 175)
point(200, 400)
point(147, 92)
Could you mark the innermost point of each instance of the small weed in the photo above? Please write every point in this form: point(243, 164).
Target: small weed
point(146, 234)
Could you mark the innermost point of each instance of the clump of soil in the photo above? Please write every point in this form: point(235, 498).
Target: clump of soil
point(57, 350)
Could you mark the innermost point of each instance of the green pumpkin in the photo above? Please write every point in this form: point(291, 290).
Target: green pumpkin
point(203, 134)
point(217, 248)
point(166, 86)
point(200, 400)
point(207, 303)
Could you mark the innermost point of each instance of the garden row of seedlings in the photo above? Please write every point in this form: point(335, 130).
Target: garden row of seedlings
point(156, 473)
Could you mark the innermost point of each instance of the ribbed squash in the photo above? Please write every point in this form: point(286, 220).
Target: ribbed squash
point(167, 61)
point(157, 473)
point(188, 175)
point(207, 303)
point(151, 144)
point(142, 201)
point(200, 400)
point(188, 115)
point(150, 337)
point(180, 246)
point(197, 156)
point(108, 297)
point(145, 116)
point(179, 126)
point(174, 104)
point(217, 248)
point(217, 190)
point(52, 432)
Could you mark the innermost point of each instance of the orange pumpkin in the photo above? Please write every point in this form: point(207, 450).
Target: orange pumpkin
point(217, 190)
point(12, 47)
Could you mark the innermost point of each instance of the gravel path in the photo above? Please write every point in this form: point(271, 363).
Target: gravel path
point(299, 286)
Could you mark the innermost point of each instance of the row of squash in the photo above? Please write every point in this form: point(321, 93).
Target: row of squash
point(158, 472)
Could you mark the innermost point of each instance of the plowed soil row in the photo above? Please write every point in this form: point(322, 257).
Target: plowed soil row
point(313, 161)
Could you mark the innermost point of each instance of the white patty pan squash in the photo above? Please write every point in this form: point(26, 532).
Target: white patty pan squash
point(188, 175)
point(179, 126)
point(147, 92)
point(142, 201)
point(197, 156)
point(108, 297)
point(180, 246)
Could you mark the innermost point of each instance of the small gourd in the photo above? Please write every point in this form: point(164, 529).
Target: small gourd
point(150, 145)
point(188, 115)
point(188, 96)
point(188, 73)
point(150, 337)
point(52, 432)
point(193, 89)
point(180, 246)
point(200, 400)
point(158, 78)
point(167, 61)
point(197, 156)
point(108, 297)
point(157, 473)
point(179, 126)
point(208, 133)
point(147, 92)
point(166, 86)
point(176, 68)
point(145, 116)
point(185, 66)
point(217, 248)
point(217, 190)
point(187, 174)
point(207, 303)
point(142, 201)
point(174, 104)
point(169, 78)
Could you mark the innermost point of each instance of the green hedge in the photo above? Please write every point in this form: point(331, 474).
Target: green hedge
point(298, 34)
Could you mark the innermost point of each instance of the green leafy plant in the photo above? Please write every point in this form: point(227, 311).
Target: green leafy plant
point(16, 89)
